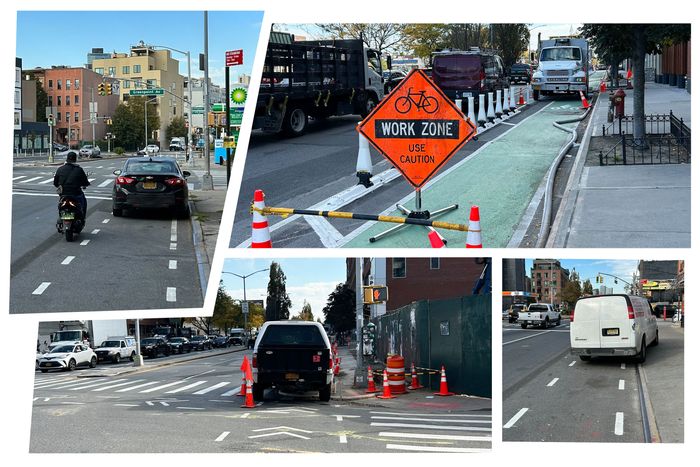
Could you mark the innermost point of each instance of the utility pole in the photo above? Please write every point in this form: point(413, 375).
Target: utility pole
point(359, 305)
point(93, 114)
point(207, 181)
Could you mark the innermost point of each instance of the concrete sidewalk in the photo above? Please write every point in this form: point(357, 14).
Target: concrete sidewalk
point(663, 373)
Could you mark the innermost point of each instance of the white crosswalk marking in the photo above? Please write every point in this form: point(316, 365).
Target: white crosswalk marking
point(138, 386)
point(157, 388)
point(185, 388)
point(417, 419)
point(232, 392)
point(104, 388)
point(93, 385)
point(109, 181)
point(46, 182)
point(30, 180)
point(430, 427)
point(211, 388)
point(19, 177)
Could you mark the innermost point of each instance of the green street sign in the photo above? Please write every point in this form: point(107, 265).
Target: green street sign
point(146, 92)
point(236, 117)
point(197, 110)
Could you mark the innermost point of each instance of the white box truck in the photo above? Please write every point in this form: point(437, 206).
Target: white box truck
point(563, 67)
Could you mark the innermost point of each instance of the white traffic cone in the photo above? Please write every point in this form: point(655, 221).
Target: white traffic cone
point(458, 104)
point(261, 230)
point(490, 114)
point(470, 114)
point(512, 98)
point(499, 105)
point(474, 232)
point(506, 98)
point(364, 162)
point(482, 111)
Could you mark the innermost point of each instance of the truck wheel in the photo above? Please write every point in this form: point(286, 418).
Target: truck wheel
point(370, 104)
point(642, 355)
point(295, 121)
point(325, 393)
point(132, 356)
point(656, 341)
point(523, 325)
point(558, 321)
point(585, 358)
point(536, 95)
point(117, 358)
point(258, 392)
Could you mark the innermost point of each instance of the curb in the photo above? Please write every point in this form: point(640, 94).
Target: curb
point(200, 250)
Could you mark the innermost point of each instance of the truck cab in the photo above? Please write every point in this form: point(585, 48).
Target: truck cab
point(563, 67)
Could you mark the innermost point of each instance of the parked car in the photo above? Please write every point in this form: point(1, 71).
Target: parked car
point(539, 314)
point(221, 341)
point(613, 325)
point(154, 346)
point(68, 357)
point(60, 147)
point(514, 310)
point(90, 151)
point(292, 356)
point(201, 343)
point(393, 79)
point(520, 73)
point(151, 183)
point(116, 349)
point(177, 144)
point(180, 345)
point(671, 310)
point(463, 73)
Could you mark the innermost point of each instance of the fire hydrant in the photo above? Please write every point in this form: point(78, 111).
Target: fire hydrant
point(619, 103)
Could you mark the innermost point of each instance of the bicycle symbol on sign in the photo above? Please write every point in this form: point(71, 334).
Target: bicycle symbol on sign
point(422, 102)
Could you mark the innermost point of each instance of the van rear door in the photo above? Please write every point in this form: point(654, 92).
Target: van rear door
point(457, 72)
point(615, 325)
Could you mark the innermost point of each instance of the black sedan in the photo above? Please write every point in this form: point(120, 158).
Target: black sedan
point(201, 343)
point(180, 345)
point(151, 183)
point(221, 341)
point(520, 72)
point(154, 346)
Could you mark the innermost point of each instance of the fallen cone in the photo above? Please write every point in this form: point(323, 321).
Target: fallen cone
point(436, 240)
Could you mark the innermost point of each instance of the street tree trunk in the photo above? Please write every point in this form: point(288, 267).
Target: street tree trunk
point(640, 41)
point(615, 74)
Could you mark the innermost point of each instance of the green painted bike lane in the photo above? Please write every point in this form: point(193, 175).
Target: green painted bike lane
point(501, 179)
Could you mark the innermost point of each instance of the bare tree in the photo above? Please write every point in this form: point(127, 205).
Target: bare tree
point(383, 37)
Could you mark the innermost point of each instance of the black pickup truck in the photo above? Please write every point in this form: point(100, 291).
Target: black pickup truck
point(292, 356)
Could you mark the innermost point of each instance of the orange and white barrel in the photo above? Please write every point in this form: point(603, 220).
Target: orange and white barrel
point(397, 374)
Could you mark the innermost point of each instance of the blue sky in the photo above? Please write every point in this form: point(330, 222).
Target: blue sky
point(588, 268)
point(307, 279)
point(46, 38)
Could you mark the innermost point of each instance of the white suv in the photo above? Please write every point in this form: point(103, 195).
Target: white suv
point(68, 357)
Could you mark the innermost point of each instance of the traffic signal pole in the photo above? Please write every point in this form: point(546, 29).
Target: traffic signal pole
point(93, 113)
point(359, 305)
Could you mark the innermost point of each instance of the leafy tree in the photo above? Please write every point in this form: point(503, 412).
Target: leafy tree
point(571, 291)
point(278, 303)
point(305, 314)
point(176, 128)
point(128, 122)
point(227, 313)
point(380, 36)
point(42, 101)
point(256, 315)
point(203, 323)
point(339, 311)
point(424, 39)
point(465, 36)
point(510, 40)
point(587, 287)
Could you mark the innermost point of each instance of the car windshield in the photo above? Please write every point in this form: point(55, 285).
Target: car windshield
point(110, 344)
point(177, 340)
point(560, 53)
point(292, 335)
point(150, 167)
point(198, 338)
point(149, 341)
point(63, 349)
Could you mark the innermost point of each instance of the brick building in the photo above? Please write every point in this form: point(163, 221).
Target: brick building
point(548, 279)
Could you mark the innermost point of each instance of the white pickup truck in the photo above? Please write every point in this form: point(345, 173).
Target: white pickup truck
point(116, 349)
point(539, 314)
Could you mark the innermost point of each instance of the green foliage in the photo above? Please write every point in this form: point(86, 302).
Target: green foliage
point(510, 40)
point(339, 311)
point(424, 39)
point(305, 314)
point(42, 101)
point(227, 314)
point(278, 303)
point(572, 291)
point(176, 128)
point(128, 122)
point(119, 150)
point(587, 287)
point(379, 36)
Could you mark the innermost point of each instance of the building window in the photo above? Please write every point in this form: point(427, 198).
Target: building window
point(58, 101)
point(77, 84)
point(112, 71)
point(125, 70)
point(77, 117)
point(100, 71)
point(58, 114)
point(137, 68)
point(434, 263)
point(50, 101)
point(68, 116)
point(127, 84)
point(77, 99)
point(67, 100)
point(67, 85)
point(58, 84)
point(50, 84)
point(152, 83)
point(398, 268)
point(174, 111)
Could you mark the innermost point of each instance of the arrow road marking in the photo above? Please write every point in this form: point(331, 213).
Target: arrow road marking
point(278, 433)
point(340, 417)
point(281, 428)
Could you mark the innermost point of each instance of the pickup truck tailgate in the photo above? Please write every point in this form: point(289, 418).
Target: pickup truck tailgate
point(297, 360)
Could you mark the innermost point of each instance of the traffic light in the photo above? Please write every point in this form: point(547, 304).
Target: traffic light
point(375, 294)
point(101, 89)
point(108, 88)
point(51, 120)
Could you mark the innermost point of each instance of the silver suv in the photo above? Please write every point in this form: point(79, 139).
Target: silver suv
point(90, 151)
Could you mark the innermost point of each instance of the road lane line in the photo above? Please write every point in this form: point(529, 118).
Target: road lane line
point(425, 414)
point(173, 246)
point(185, 388)
point(329, 236)
point(572, 363)
point(619, 423)
point(527, 337)
point(67, 261)
point(406, 447)
point(232, 392)
point(430, 427)
point(95, 232)
point(137, 386)
point(211, 388)
point(621, 385)
point(109, 181)
point(105, 221)
point(17, 178)
point(104, 388)
point(553, 382)
point(343, 439)
point(91, 180)
point(42, 287)
point(160, 387)
point(623, 366)
point(73, 403)
point(126, 405)
point(84, 242)
point(515, 418)
point(171, 294)
point(173, 231)
point(53, 195)
point(393, 434)
point(245, 415)
point(172, 264)
point(418, 419)
point(190, 408)
point(30, 179)
point(222, 436)
point(47, 181)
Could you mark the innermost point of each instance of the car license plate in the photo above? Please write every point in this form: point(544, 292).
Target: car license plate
point(611, 332)
point(291, 376)
point(149, 185)
point(67, 216)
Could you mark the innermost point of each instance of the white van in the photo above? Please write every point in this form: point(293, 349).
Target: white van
point(612, 325)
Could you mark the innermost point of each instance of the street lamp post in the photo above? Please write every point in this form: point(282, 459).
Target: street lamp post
point(145, 119)
point(245, 309)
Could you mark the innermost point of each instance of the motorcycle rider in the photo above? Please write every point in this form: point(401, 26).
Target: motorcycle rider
point(70, 179)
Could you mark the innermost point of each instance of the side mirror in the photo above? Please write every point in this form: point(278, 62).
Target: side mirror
point(388, 62)
point(117, 172)
point(186, 173)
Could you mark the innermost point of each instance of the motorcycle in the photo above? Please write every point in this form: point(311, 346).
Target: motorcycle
point(71, 219)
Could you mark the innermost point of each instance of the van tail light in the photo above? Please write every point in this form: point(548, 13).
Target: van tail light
point(255, 360)
point(125, 180)
point(630, 312)
point(482, 79)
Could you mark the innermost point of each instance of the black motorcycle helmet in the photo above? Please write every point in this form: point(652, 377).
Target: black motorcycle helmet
point(72, 156)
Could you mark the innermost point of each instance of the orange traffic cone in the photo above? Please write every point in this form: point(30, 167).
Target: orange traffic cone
point(387, 390)
point(584, 101)
point(415, 384)
point(521, 99)
point(244, 369)
point(436, 240)
point(443, 385)
point(261, 230)
point(629, 79)
point(243, 387)
point(603, 87)
point(629, 74)
point(249, 402)
point(336, 368)
point(371, 388)
point(474, 232)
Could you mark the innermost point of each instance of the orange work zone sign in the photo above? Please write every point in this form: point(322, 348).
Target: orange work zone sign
point(417, 128)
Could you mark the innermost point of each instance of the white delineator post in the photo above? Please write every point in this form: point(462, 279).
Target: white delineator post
point(490, 114)
point(363, 168)
point(499, 106)
point(482, 110)
point(470, 114)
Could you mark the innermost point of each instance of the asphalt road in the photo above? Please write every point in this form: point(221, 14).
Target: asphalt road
point(193, 407)
point(550, 395)
point(142, 261)
point(319, 167)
